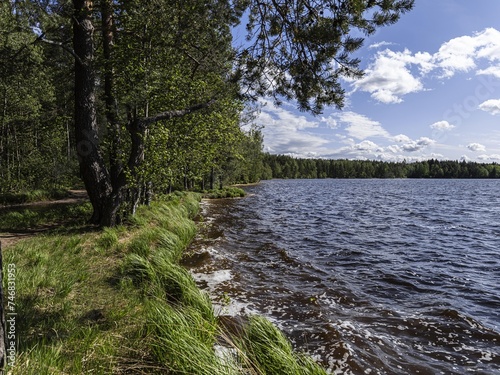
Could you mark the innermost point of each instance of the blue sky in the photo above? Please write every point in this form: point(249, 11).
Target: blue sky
point(431, 90)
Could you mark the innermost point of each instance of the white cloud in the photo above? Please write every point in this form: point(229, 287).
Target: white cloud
point(489, 44)
point(492, 106)
point(492, 157)
point(424, 61)
point(417, 145)
point(461, 54)
point(366, 146)
point(330, 122)
point(361, 127)
point(272, 115)
point(456, 55)
point(393, 148)
point(437, 156)
point(388, 78)
point(492, 71)
point(424, 141)
point(476, 147)
point(442, 125)
point(401, 138)
point(287, 133)
point(380, 44)
point(281, 141)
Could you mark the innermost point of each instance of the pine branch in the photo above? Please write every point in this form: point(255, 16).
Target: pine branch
point(168, 115)
point(41, 38)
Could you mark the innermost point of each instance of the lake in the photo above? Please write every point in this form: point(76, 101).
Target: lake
point(368, 276)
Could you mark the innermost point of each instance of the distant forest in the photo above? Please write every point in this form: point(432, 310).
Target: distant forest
point(282, 166)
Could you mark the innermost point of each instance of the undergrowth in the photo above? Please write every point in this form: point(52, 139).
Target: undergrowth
point(69, 215)
point(32, 196)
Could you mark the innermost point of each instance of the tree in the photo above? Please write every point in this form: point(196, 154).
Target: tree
point(33, 137)
point(143, 46)
point(301, 48)
point(151, 62)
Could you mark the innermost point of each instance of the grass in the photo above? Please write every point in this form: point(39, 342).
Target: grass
point(32, 196)
point(117, 301)
point(268, 351)
point(70, 215)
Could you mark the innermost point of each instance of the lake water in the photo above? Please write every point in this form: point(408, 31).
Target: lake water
point(369, 276)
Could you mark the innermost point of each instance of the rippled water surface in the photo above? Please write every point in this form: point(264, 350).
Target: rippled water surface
point(369, 276)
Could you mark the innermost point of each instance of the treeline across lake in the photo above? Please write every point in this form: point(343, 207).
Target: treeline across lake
point(282, 166)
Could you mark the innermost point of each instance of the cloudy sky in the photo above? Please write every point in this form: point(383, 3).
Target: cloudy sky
point(431, 90)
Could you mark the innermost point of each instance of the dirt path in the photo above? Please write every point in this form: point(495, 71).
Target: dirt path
point(11, 237)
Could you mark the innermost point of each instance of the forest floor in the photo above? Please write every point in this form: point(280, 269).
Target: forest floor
point(11, 235)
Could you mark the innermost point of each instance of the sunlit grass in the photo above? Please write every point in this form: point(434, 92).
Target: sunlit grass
point(268, 351)
point(29, 196)
point(29, 218)
point(117, 301)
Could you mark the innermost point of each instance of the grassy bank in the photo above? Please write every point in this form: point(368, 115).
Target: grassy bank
point(117, 302)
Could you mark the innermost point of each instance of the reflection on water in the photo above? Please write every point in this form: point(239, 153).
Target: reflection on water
point(369, 276)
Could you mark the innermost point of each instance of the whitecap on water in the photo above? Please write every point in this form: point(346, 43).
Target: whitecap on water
point(213, 279)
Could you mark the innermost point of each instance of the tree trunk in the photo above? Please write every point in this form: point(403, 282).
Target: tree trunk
point(92, 167)
point(114, 129)
point(212, 178)
point(149, 193)
point(110, 216)
point(106, 187)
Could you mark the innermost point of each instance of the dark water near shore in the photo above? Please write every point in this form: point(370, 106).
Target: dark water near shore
point(369, 276)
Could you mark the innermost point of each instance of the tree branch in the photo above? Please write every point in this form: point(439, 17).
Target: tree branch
point(41, 38)
point(168, 115)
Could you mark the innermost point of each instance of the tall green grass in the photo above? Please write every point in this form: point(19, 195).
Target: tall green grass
point(30, 218)
point(117, 301)
point(268, 351)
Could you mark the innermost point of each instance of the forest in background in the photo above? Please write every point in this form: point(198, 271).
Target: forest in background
point(283, 166)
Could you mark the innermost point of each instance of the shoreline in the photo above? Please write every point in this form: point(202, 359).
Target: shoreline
point(122, 293)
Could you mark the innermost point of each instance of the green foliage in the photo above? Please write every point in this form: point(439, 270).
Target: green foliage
point(183, 340)
point(34, 131)
point(282, 166)
point(166, 56)
point(226, 192)
point(293, 45)
point(108, 239)
point(245, 165)
point(60, 278)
